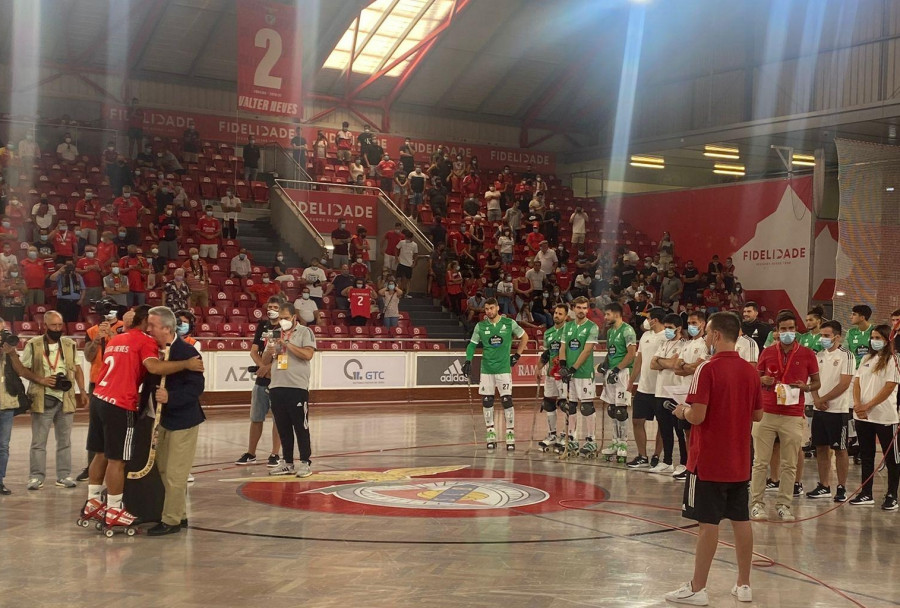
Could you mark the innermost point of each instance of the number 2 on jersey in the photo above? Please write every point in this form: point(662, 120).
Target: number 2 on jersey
point(111, 363)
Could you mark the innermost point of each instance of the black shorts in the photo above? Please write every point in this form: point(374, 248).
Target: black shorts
point(831, 429)
point(110, 430)
point(404, 272)
point(643, 406)
point(709, 502)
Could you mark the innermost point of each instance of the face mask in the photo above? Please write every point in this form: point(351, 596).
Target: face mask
point(787, 337)
point(90, 255)
point(693, 330)
point(876, 345)
point(359, 285)
point(43, 237)
point(54, 335)
point(195, 257)
point(391, 286)
point(266, 279)
point(154, 251)
point(179, 279)
point(342, 225)
point(272, 314)
point(63, 228)
point(122, 235)
point(243, 256)
point(286, 324)
point(279, 258)
point(6, 224)
point(646, 325)
point(183, 329)
point(14, 274)
point(826, 343)
point(359, 260)
point(111, 317)
point(168, 212)
point(209, 214)
point(68, 140)
point(228, 194)
point(305, 295)
point(669, 333)
point(126, 195)
point(166, 190)
point(32, 255)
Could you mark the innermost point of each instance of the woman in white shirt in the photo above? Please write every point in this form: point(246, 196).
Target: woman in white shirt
point(505, 246)
point(875, 415)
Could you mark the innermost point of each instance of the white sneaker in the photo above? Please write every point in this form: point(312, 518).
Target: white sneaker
point(662, 469)
point(686, 595)
point(678, 470)
point(303, 469)
point(784, 513)
point(742, 593)
point(283, 468)
point(190, 478)
point(758, 512)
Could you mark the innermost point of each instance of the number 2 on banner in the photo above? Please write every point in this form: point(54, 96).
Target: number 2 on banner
point(270, 40)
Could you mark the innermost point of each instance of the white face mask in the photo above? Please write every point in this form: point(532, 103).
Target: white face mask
point(89, 254)
point(272, 314)
point(646, 325)
point(195, 257)
point(305, 295)
point(286, 324)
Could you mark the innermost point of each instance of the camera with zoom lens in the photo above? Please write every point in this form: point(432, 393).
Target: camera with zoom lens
point(9, 338)
point(62, 383)
point(103, 306)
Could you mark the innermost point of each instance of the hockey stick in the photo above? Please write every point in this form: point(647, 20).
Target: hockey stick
point(154, 437)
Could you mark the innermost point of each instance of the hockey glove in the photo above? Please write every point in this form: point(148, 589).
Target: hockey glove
point(467, 368)
point(612, 376)
point(514, 358)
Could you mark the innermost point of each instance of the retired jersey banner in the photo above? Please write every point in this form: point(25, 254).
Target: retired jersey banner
point(268, 58)
point(766, 227)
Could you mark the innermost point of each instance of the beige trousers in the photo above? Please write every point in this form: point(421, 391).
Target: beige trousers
point(790, 430)
point(174, 457)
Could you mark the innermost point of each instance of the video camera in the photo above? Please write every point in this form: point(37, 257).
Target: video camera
point(62, 383)
point(9, 338)
point(104, 306)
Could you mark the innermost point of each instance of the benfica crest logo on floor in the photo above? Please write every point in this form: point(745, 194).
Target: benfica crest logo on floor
point(441, 491)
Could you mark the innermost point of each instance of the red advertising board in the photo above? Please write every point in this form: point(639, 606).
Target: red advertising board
point(236, 129)
point(268, 58)
point(324, 209)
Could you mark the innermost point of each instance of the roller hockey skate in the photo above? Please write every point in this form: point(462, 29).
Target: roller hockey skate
point(491, 438)
point(589, 449)
point(547, 443)
point(559, 446)
point(610, 451)
point(510, 440)
point(118, 519)
point(621, 452)
point(93, 510)
point(571, 448)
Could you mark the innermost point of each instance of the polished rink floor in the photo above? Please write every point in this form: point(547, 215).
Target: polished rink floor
point(405, 510)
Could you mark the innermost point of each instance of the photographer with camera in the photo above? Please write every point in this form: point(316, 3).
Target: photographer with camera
point(10, 390)
point(52, 359)
point(70, 292)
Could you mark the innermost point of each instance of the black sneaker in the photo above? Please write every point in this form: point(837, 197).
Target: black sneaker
point(680, 476)
point(798, 489)
point(840, 495)
point(654, 460)
point(820, 492)
point(772, 486)
point(863, 500)
point(273, 461)
point(639, 462)
point(890, 503)
point(4, 491)
point(247, 458)
point(84, 475)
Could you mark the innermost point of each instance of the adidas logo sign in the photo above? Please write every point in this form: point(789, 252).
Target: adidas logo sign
point(453, 373)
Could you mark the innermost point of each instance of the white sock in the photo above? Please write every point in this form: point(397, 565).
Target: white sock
point(488, 416)
point(590, 426)
point(114, 501)
point(551, 421)
point(95, 491)
point(510, 415)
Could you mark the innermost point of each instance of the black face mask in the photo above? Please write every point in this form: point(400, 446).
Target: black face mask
point(54, 335)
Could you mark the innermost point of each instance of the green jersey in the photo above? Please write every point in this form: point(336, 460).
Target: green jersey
point(553, 338)
point(770, 340)
point(575, 338)
point(857, 342)
point(496, 342)
point(811, 340)
point(617, 342)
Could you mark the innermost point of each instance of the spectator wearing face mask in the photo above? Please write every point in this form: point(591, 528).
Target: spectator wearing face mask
point(265, 290)
point(185, 322)
point(12, 295)
point(43, 216)
point(115, 285)
point(240, 265)
point(279, 269)
point(307, 308)
point(338, 284)
point(136, 267)
point(67, 151)
point(359, 246)
point(391, 296)
point(168, 227)
point(251, 156)
point(208, 231)
point(513, 219)
point(70, 292)
point(386, 169)
point(178, 294)
point(197, 276)
point(87, 210)
point(128, 209)
point(315, 278)
point(361, 296)
point(505, 294)
point(65, 243)
point(91, 271)
point(231, 207)
point(340, 240)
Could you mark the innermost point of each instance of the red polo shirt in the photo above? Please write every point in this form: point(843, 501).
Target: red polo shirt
point(92, 278)
point(720, 445)
point(91, 207)
point(797, 365)
point(128, 211)
point(132, 266)
point(34, 273)
point(208, 227)
point(64, 243)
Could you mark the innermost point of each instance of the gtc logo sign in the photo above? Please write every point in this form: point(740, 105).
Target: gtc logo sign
point(353, 370)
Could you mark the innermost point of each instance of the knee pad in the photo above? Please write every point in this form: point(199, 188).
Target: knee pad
point(561, 405)
point(571, 407)
point(611, 410)
point(621, 413)
point(487, 401)
point(549, 404)
point(587, 408)
point(506, 401)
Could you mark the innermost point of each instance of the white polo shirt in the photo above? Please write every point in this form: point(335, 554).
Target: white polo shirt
point(667, 377)
point(871, 382)
point(692, 351)
point(832, 365)
point(647, 347)
point(748, 349)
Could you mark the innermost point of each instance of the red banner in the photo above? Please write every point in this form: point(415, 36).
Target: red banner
point(324, 209)
point(268, 57)
point(236, 129)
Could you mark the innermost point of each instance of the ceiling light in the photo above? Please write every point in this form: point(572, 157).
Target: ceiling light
point(803, 160)
point(889, 189)
point(840, 294)
point(727, 172)
point(648, 161)
point(722, 155)
point(721, 148)
point(729, 167)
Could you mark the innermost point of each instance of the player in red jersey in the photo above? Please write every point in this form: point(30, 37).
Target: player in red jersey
point(114, 406)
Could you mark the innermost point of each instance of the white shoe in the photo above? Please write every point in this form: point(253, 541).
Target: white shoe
point(758, 512)
point(190, 478)
point(678, 470)
point(282, 469)
point(742, 593)
point(303, 470)
point(784, 513)
point(686, 595)
point(662, 469)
